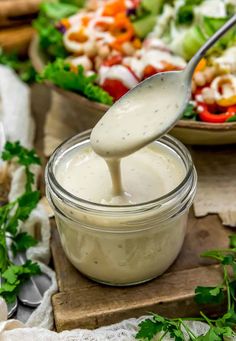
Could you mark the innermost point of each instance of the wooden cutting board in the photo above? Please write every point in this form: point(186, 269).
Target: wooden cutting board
point(82, 303)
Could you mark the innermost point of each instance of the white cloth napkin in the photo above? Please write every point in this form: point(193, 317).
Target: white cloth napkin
point(15, 115)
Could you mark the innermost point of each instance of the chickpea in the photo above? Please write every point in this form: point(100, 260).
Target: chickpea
point(81, 60)
point(103, 51)
point(128, 49)
point(209, 74)
point(208, 95)
point(199, 79)
point(90, 49)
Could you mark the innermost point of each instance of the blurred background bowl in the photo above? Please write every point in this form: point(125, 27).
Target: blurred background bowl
point(89, 112)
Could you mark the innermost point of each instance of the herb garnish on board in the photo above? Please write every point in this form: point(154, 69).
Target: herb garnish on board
point(11, 215)
point(219, 329)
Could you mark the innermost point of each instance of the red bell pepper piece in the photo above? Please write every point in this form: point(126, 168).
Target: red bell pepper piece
point(206, 116)
point(114, 60)
point(115, 88)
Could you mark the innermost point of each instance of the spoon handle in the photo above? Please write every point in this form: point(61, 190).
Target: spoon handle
point(211, 41)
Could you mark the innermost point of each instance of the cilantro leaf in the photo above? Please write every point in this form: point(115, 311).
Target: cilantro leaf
point(4, 261)
point(216, 334)
point(175, 331)
point(210, 336)
point(22, 241)
point(151, 327)
point(59, 73)
point(228, 259)
point(11, 214)
point(148, 329)
point(190, 112)
point(15, 276)
point(27, 202)
point(215, 254)
point(24, 206)
point(208, 295)
point(24, 156)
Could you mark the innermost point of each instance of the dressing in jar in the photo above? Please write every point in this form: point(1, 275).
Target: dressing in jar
point(128, 237)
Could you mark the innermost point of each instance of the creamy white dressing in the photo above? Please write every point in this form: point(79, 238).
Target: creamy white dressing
point(114, 247)
point(143, 114)
point(154, 57)
point(146, 175)
point(118, 72)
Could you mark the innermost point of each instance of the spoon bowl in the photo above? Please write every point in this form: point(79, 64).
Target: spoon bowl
point(142, 115)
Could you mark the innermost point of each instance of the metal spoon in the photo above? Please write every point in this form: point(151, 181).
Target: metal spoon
point(135, 109)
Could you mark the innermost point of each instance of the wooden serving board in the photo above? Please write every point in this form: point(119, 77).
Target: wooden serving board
point(82, 303)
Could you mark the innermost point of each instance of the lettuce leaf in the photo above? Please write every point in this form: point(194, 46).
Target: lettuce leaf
point(57, 10)
point(50, 39)
point(59, 73)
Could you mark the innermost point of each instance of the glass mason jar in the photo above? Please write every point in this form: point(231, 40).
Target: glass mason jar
point(121, 245)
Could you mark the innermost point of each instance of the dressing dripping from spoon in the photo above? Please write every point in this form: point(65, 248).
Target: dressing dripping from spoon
point(146, 112)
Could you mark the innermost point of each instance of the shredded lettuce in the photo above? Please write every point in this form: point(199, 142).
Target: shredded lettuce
point(50, 38)
point(57, 10)
point(59, 73)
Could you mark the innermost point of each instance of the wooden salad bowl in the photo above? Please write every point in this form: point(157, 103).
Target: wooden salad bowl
point(89, 112)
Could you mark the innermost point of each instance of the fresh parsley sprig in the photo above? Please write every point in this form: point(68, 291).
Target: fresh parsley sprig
point(158, 327)
point(14, 277)
point(24, 157)
point(11, 216)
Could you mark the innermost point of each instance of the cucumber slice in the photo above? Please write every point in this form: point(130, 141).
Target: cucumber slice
point(193, 40)
point(153, 6)
point(145, 25)
point(211, 25)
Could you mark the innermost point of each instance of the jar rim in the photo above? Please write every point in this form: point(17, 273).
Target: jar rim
point(70, 198)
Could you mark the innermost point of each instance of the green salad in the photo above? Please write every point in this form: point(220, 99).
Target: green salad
point(102, 49)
